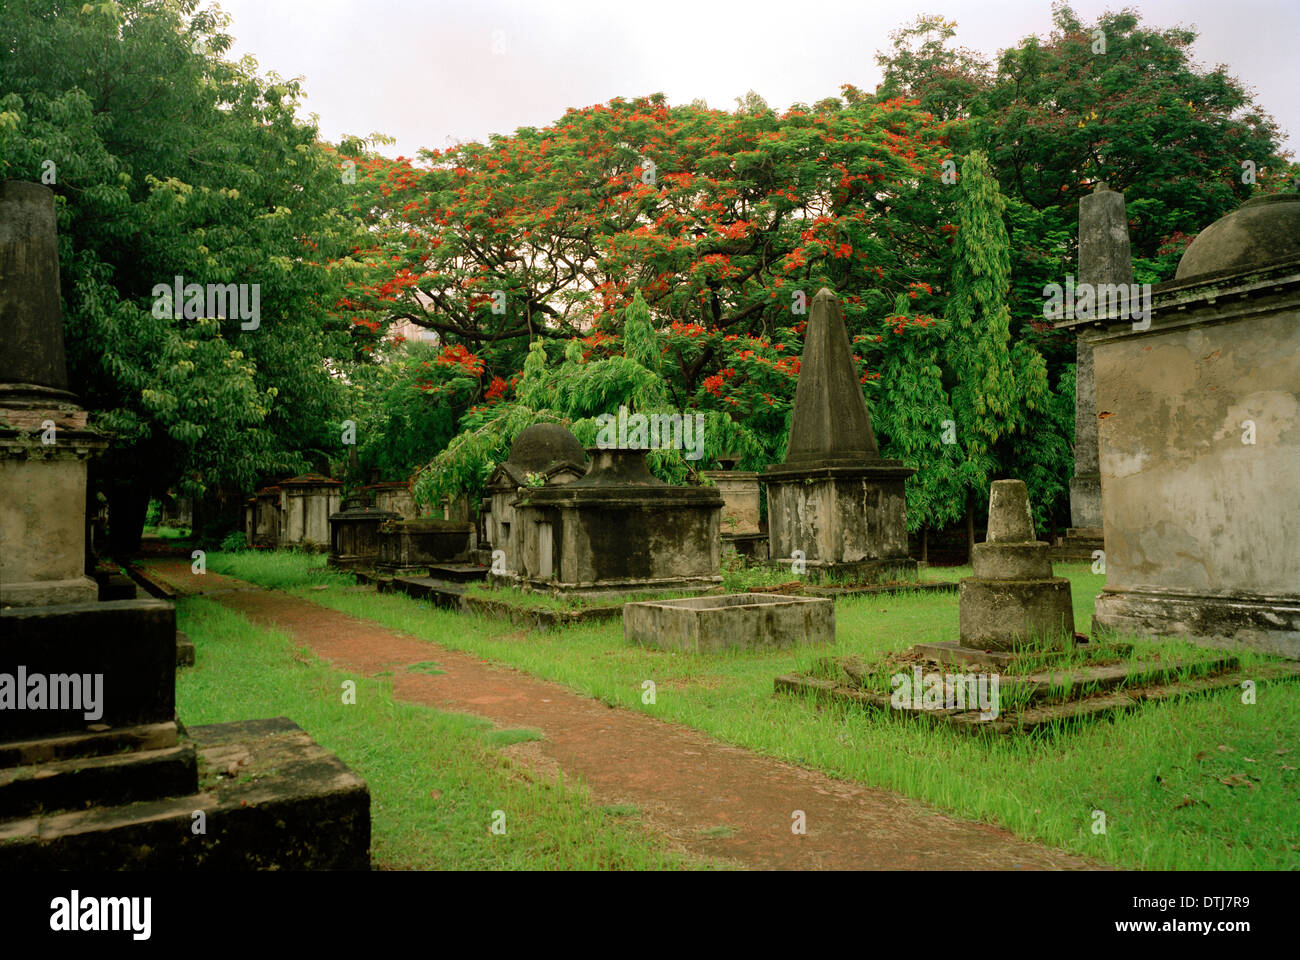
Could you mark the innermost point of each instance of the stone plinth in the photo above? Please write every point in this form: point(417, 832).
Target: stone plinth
point(844, 521)
point(44, 442)
point(42, 517)
point(306, 503)
point(835, 508)
point(1198, 419)
point(618, 529)
point(1013, 602)
point(411, 546)
point(709, 624)
point(354, 534)
point(741, 499)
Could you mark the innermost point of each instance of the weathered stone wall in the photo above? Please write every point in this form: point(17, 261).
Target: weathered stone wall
point(741, 499)
point(837, 519)
point(1189, 506)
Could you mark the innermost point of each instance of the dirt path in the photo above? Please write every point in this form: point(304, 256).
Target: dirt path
point(683, 782)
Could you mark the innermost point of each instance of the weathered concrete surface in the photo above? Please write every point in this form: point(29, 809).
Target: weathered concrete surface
point(618, 529)
point(271, 797)
point(1202, 525)
point(710, 624)
point(306, 503)
point(741, 500)
point(1104, 258)
point(1012, 601)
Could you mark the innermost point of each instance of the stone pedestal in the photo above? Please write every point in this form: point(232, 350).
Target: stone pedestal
point(618, 529)
point(1013, 601)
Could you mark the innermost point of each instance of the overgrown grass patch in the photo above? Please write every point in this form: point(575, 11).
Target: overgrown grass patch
point(1192, 784)
point(435, 780)
point(278, 569)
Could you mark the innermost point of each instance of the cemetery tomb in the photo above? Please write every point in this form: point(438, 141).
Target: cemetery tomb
point(1197, 415)
point(306, 503)
point(393, 496)
point(619, 529)
point(354, 533)
point(95, 771)
point(551, 454)
point(412, 546)
point(835, 507)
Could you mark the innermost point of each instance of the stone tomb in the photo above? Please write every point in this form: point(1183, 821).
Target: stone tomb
point(95, 771)
point(413, 546)
point(354, 533)
point(834, 504)
point(548, 453)
point(306, 503)
point(1199, 428)
point(1013, 601)
point(1016, 650)
point(710, 624)
point(619, 529)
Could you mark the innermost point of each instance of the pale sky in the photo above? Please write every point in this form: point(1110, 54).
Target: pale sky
point(431, 72)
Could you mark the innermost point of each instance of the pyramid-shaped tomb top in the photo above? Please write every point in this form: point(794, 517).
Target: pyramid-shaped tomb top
point(831, 425)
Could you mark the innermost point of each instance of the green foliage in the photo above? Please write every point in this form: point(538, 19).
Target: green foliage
point(167, 160)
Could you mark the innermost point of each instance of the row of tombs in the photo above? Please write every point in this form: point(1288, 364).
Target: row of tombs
point(1195, 414)
point(1197, 418)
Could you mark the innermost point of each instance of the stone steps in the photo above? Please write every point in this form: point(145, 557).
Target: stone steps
point(458, 572)
point(270, 798)
point(98, 781)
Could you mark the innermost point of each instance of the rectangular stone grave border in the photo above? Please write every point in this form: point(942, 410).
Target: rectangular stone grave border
point(710, 624)
point(1041, 714)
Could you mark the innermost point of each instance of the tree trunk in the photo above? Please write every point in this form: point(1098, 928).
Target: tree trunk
point(970, 527)
point(127, 505)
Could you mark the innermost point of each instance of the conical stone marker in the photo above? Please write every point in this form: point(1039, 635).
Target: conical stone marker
point(1013, 602)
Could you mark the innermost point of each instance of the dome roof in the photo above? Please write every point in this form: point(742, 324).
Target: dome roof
point(542, 444)
point(1261, 231)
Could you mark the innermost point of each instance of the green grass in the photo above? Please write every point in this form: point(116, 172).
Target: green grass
point(167, 533)
point(435, 778)
point(1172, 798)
point(279, 569)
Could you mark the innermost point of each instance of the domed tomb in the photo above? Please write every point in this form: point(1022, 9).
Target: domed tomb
point(542, 444)
point(545, 450)
point(1261, 232)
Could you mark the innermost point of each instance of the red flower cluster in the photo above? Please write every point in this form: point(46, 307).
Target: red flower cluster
point(457, 355)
